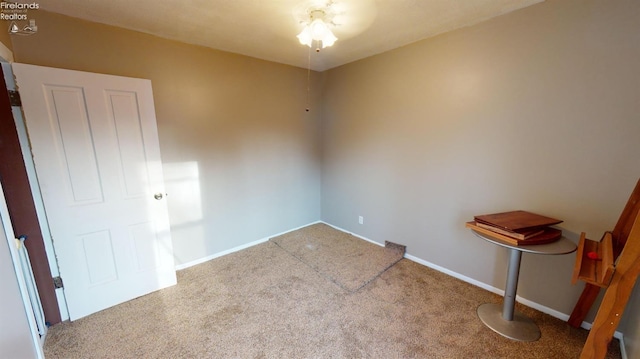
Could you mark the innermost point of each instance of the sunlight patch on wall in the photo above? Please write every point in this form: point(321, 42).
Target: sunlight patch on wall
point(184, 197)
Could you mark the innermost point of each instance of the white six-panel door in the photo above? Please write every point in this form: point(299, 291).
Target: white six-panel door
point(95, 146)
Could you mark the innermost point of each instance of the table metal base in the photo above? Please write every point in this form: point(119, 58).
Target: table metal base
point(520, 328)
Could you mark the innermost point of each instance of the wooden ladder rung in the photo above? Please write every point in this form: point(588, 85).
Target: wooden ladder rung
point(597, 271)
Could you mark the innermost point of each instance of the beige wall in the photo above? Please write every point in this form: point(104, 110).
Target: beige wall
point(240, 154)
point(5, 38)
point(535, 110)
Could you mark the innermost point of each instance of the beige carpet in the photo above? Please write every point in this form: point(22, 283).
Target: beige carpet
point(347, 261)
point(263, 302)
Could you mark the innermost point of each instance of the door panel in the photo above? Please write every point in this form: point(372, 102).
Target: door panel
point(70, 129)
point(123, 107)
point(143, 238)
point(95, 146)
point(97, 251)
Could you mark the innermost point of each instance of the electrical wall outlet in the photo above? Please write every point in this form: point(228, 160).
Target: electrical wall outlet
point(360, 219)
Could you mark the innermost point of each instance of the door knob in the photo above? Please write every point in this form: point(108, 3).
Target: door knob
point(158, 196)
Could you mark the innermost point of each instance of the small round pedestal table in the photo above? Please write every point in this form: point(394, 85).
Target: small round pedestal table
point(505, 320)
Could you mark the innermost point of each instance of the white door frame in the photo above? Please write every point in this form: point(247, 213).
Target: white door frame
point(34, 185)
point(6, 232)
point(6, 56)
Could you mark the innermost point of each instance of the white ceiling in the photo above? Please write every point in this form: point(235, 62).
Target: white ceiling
point(267, 29)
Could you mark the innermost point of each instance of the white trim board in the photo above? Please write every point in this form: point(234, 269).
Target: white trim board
point(623, 348)
point(41, 214)
point(8, 235)
point(544, 309)
point(238, 248)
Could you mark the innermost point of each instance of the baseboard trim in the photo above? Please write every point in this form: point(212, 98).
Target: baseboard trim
point(531, 304)
point(623, 348)
point(544, 309)
point(353, 234)
point(436, 267)
point(236, 249)
point(586, 325)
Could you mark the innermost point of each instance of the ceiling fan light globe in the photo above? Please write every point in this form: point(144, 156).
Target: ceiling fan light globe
point(329, 39)
point(318, 29)
point(305, 36)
